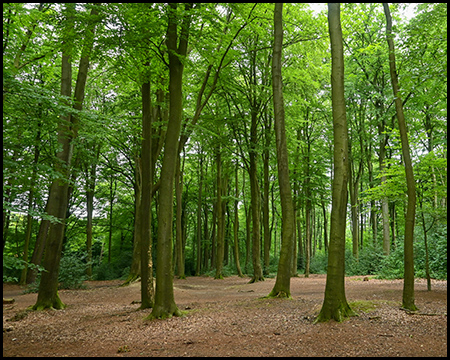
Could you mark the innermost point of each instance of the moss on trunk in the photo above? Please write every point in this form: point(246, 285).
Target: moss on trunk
point(53, 302)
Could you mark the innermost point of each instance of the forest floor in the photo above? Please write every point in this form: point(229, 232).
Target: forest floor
point(229, 317)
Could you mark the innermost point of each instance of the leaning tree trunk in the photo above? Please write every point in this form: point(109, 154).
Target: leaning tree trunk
point(57, 203)
point(58, 198)
point(408, 282)
point(282, 283)
point(335, 304)
point(164, 305)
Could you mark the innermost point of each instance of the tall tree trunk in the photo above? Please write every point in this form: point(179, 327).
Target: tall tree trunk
point(325, 225)
point(220, 217)
point(384, 200)
point(147, 292)
point(23, 276)
point(236, 226)
point(335, 304)
point(135, 268)
point(199, 213)
point(255, 204)
point(178, 216)
point(353, 184)
point(90, 188)
point(112, 194)
point(266, 227)
point(67, 131)
point(408, 282)
point(164, 305)
point(282, 283)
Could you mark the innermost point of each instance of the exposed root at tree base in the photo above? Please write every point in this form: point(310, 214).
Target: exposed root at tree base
point(256, 279)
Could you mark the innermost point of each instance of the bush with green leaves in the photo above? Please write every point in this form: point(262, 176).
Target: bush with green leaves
point(13, 266)
point(319, 263)
point(437, 253)
point(118, 268)
point(72, 271)
point(391, 267)
point(368, 262)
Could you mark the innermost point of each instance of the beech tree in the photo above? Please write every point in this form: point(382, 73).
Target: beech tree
point(282, 284)
point(164, 305)
point(408, 280)
point(335, 304)
point(58, 198)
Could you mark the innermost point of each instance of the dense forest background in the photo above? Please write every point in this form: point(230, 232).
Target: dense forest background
point(226, 186)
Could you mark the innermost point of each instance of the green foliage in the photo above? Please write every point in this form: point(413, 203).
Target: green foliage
point(12, 267)
point(391, 267)
point(105, 271)
point(228, 270)
point(437, 248)
point(118, 268)
point(72, 271)
point(319, 263)
point(368, 262)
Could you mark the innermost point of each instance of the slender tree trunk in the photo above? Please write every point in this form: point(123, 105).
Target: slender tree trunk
point(353, 185)
point(255, 207)
point(248, 235)
point(408, 282)
point(266, 211)
point(220, 217)
point(90, 189)
point(135, 268)
point(325, 226)
point(307, 232)
point(236, 226)
point(112, 194)
point(164, 305)
point(383, 179)
point(199, 214)
point(282, 283)
point(335, 304)
point(178, 226)
point(24, 273)
point(147, 292)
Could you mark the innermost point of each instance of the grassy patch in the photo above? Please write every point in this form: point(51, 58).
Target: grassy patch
point(365, 306)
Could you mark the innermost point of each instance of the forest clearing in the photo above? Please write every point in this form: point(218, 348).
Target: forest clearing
point(230, 317)
point(262, 179)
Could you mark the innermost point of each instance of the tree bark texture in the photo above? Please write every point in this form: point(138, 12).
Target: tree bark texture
point(335, 304)
point(282, 283)
point(67, 131)
point(220, 217)
point(255, 204)
point(164, 305)
point(408, 282)
point(147, 292)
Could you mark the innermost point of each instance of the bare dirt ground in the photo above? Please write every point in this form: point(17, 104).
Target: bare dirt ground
point(229, 318)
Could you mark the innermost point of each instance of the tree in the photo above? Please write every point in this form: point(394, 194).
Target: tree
point(68, 128)
point(282, 284)
point(335, 304)
point(164, 305)
point(408, 281)
point(146, 200)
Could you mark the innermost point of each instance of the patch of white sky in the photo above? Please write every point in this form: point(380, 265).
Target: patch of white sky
point(407, 10)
